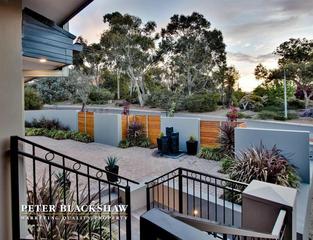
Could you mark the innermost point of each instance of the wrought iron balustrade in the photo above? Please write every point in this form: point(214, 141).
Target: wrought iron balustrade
point(49, 178)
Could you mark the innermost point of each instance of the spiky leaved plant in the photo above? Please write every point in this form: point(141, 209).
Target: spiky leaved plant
point(55, 226)
point(135, 133)
point(111, 161)
point(227, 139)
point(268, 165)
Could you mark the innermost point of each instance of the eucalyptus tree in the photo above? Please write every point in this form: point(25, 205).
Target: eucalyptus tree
point(296, 58)
point(90, 60)
point(295, 63)
point(193, 50)
point(82, 83)
point(231, 76)
point(130, 45)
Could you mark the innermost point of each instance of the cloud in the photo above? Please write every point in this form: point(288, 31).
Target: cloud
point(252, 29)
point(242, 57)
point(255, 28)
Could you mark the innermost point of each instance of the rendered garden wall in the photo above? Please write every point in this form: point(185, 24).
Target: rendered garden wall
point(294, 145)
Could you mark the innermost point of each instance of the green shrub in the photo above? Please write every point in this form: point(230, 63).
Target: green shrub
point(46, 123)
point(32, 99)
point(243, 115)
point(160, 99)
point(136, 136)
point(265, 114)
point(210, 153)
point(226, 164)
point(252, 102)
point(124, 144)
point(273, 108)
point(277, 115)
point(100, 95)
point(59, 134)
point(268, 165)
point(203, 102)
point(145, 143)
point(296, 104)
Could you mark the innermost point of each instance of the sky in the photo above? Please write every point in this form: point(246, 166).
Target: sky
point(252, 29)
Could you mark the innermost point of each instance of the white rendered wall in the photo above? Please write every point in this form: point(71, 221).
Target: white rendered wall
point(107, 128)
point(68, 118)
point(294, 145)
point(11, 100)
point(185, 126)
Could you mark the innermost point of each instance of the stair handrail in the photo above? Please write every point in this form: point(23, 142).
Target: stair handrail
point(216, 227)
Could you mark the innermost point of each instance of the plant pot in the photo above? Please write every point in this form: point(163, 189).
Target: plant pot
point(111, 177)
point(174, 142)
point(159, 142)
point(169, 131)
point(192, 147)
point(164, 148)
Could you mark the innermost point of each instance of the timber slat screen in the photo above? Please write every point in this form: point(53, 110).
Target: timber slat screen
point(151, 123)
point(210, 132)
point(86, 123)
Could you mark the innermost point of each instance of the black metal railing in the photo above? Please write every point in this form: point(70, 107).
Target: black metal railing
point(197, 194)
point(179, 226)
point(42, 176)
point(221, 231)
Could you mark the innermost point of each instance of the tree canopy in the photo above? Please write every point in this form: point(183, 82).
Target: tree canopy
point(193, 51)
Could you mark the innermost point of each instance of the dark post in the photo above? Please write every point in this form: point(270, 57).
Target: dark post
point(15, 201)
point(128, 220)
point(148, 197)
point(180, 191)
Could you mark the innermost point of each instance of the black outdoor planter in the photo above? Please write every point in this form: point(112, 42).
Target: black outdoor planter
point(112, 177)
point(174, 142)
point(159, 142)
point(164, 145)
point(192, 147)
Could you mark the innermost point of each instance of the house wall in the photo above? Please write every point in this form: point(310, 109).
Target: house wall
point(185, 126)
point(294, 144)
point(108, 128)
point(11, 101)
point(67, 118)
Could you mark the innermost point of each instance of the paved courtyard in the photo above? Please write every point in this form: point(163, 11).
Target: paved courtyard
point(139, 164)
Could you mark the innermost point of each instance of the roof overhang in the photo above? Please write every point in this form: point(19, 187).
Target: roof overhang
point(59, 11)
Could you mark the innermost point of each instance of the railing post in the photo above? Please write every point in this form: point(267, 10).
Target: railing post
point(180, 190)
point(148, 197)
point(15, 201)
point(128, 220)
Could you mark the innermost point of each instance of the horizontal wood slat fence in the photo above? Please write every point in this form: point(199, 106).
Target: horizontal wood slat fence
point(151, 123)
point(86, 123)
point(210, 132)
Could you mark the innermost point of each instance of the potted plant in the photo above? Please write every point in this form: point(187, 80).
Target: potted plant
point(159, 141)
point(192, 146)
point(112, 167)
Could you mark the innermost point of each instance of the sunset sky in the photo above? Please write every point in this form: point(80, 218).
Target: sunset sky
point(252, 29)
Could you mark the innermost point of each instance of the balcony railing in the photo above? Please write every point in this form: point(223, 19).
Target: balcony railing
point(52, 178)
point(207, 203)
point(197, 194)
